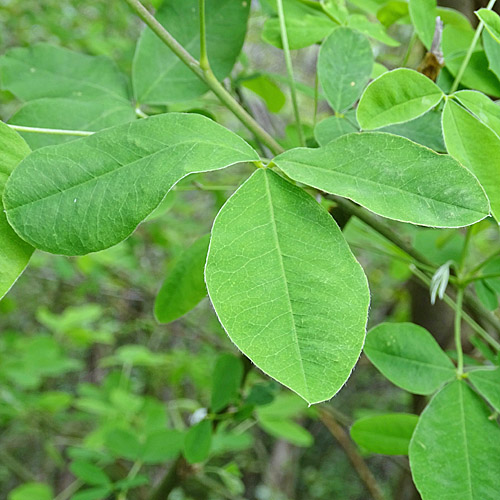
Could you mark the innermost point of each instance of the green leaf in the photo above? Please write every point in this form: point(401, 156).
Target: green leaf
point(75, 113)
point(160, 77)
point(423, 15)
point(409, 356)
point(345, 63)
point(91, 193)
point(373, 30)
point(162, 445)
point(287, 430)
point(286, 287)
point(198, 442)
point(30, 491)
point(47, 71)
point(487, 382)
point(226, 381)
point(392, 177)
point(264, 87)
point(425, 130)
point(305, 25)
point(454, 449)
point(486, 294)
point(185, 286)
point(492, 51)
point(123, 444)
point(92, 494)
point(482, 107)
point(386, 434)
point(395, 97)
point(90, 473)
point(332, 128)
point(14, 252)
point(474, 145)
point(491, 21)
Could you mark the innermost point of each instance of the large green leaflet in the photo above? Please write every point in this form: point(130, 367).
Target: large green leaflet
point(487, 382)
point(14, 252)
point(492, 50)
point(476, 146)
point(286, 287)
point(454, 450)
point(409, 356)
point(184, 287)
point(345, 63)
point(47, 71)
point(393, 177)
point(76, 113)
point(492, 22)
point(395, 97)
point(160, 77)
point(91, 193)
point(387, 434)
point(482, 107)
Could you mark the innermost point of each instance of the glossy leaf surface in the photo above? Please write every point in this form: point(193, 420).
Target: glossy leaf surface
point(395, 97)
point(409, 356)
point(345, 64)
point(454, 449)
point(392, 177)
point(283, 280)
point(91, 193)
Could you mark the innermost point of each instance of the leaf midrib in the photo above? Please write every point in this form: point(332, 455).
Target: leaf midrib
point(282, 266)
point(368, 181)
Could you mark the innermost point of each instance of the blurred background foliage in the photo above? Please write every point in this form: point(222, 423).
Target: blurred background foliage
point(96, 396)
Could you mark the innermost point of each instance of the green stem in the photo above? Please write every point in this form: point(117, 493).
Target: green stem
point(488, 259)
point(466, 60)
point(411, 43)
point(203, 37)
point(458, 331)
point(450, 302)
point(52, 131)
point(289, 68)
point(140, 113)
point(481, 277)
point(204, 75)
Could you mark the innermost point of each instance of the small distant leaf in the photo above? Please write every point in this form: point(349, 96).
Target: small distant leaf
point(392, 177)
point(304, 24)
point(345, 63)
point(386, 434)
point(286, 429)
point(123, 444)
point(185, 286)
point(486, 294)
point(92, 494)
point(226, 381)
point(332, 128)
point(14, 252)
point(492, 22)
point(197, 442)
point(270, 243)
point(395, 97)
point(162, 445)
point(373, 30)
point(160, 77)
point(474, 145)
point(90, 194)
point(487, 382)
point(423, 15)
point(76, 113)
point(409, 356)
point(264, 87)
point(90, 473)
point(454, 449)
point(47, 71)
point(482, 107)
point(30, 491)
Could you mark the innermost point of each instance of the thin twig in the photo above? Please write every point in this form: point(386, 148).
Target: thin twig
point(51, 131)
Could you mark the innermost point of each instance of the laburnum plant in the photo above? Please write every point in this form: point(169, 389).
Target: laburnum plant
point(92, 153)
